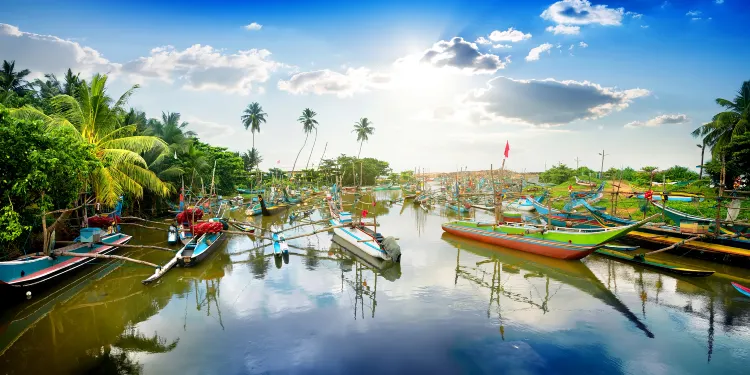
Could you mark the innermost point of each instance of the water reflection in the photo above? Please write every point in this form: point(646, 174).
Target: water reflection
point(510, 264)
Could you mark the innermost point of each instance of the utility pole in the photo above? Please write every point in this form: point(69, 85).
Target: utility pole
point(601, 171)
point(703, 149)
point(577, 160)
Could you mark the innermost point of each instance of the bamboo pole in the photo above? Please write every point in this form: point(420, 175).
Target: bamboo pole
point(676, 245)
point(502, 172)
point(126, 246)
point(103, 256)
point(145, 226)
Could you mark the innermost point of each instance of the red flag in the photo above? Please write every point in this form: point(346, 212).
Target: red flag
point(364, 213)
point(278, 161)
point(507, 148)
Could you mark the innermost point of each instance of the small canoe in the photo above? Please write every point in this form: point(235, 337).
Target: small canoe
point(620, 247)
point(279, 245)
point(656, 265)
point(244, 227)
point(742, 289)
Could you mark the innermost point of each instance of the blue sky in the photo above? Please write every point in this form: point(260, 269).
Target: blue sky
point(445, 83)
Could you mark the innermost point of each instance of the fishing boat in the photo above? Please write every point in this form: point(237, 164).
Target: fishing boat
point(555, 242)
point(172, 235)
point(280, 246)
point(243, 227)
point(360, 237)
point(741, 288)
point(33, 272)
point(521, 204)
point(565, 219)
point(620, 247)
point(578, 199)
point(196, 251)
point(457, 208)
point(584, 182)
point(670, 197)
point(185, 220)
point(660, 265)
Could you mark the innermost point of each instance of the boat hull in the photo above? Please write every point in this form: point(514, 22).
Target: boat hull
point(530, 245)
point(350, 238)
point(35, 282)
point(742, 289)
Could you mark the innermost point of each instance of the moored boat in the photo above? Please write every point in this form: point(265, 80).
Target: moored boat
point(561, 243)
point(741, 288)
point(34, 272)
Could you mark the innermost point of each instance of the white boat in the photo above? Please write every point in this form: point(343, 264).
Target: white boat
point(521, 204)
point(359, 237)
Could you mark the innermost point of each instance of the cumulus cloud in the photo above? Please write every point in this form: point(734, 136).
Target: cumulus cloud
point(463, 56)
point(657, 121)
point(253, 26)
point(50, 54)
point(564, 29)
point(208, 131)
point(581, 12)
point(483, 40)
point(326, 81)
point(693, 13)
point(202, 67)
point(549, 102)
point(510, 35)
point(536, 51)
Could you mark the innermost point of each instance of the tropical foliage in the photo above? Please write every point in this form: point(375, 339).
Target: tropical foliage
point(309, 123)
point(363, 128)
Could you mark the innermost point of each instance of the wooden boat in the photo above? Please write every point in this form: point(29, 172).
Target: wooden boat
point(243, 227)
point(32, 272)
point(172, 235)
point(196, 251)
point(662, 266)
point(561, 243)
point(584, 182)
point(741, 288)
point(679, 216)
point(359, 236)
point(676, 198)
point(565, 219)
point(521, 204)
point(578, 199)
point(279, 245)
point(459, 209)
point(620, 247)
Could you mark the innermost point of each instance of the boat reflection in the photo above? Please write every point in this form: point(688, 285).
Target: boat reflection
point(364, 280)
point(573, 273)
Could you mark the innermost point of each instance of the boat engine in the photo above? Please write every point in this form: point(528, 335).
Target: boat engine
point(391, 247)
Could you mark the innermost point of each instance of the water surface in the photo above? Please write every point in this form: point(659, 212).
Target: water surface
point(451, 306)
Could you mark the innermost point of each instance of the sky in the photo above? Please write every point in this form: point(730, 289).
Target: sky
point(445, 84)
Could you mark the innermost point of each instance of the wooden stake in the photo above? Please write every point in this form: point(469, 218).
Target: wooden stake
point(678, 244)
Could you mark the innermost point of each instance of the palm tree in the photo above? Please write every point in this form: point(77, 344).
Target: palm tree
point(72, 82)
point(251, 118)
point(49, 88)
point(364, 130)
point(310, 122)
point(308, 125)
point(251, 158)
point(728, 124)
point(96, 118)
point(12, 80)
point(195, 164)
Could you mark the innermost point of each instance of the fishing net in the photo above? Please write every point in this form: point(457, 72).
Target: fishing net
point(188, 215)
point(200, 229)
point(102, 221)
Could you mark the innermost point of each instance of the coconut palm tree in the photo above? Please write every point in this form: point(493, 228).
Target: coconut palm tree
point(72, 82)
point(252, 117)
point(96, 118)
point(308, 115)
point(251, 158)
point(309, 123)
point(12, 80)
point(364, 130)
point(728, 124)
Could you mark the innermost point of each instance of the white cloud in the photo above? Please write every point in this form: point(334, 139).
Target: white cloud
point(202, 67)
point(326, 81)
point(644, 26)
point(719, 1)
point(659, 120)
point(549, 102)
point(510, 35)
point(483, 40)
point(50, 54)
point(253, 26)
point(693, 13)
point(634, 15)
point(564, 29)
point(211, 132)
point(460, 55)
point(583, 44)
point(500, 46)
point(536, 51)
point(581, 12)
point(695, 19)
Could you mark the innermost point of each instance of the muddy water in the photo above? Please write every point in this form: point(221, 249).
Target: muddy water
point(451, 306)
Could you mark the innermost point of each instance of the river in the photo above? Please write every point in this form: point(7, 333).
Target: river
point(451, 306)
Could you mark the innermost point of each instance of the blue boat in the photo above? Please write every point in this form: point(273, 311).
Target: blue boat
point(741, 288)
point(279, 245)
point(459, 209)
point(198, 250)
point(35, 272)
point(675, 198)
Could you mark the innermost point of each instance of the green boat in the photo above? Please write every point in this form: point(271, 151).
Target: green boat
point(641, 260)
point(558, 242)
